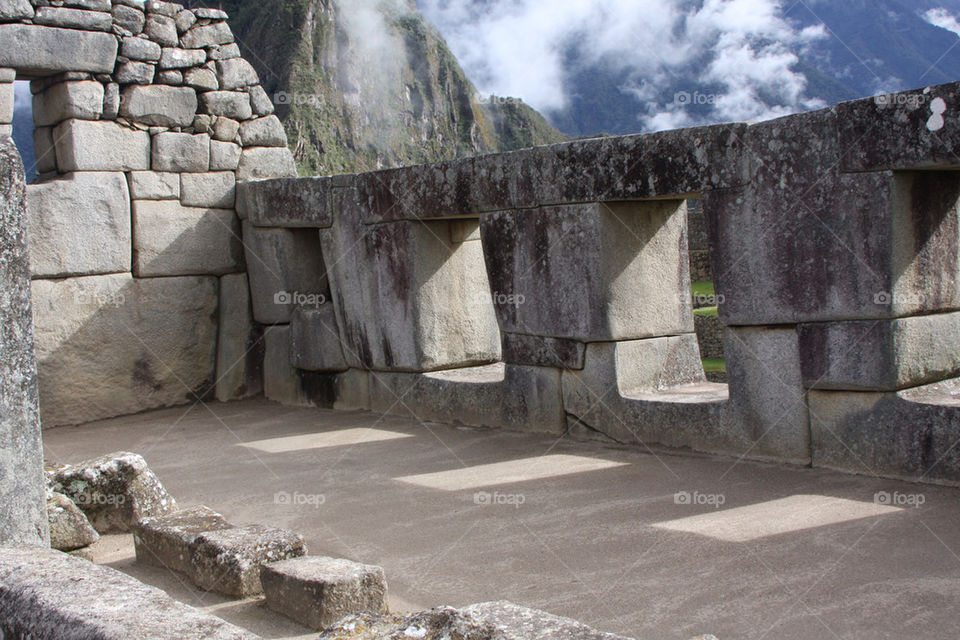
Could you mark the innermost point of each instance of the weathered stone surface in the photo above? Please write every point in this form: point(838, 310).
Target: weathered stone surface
point(239, 342)
point(226, 129)
point(260, 101)
point(181, 152)
point(15, 9)
point(483, 621)
point(222, 52)
point(206, 35)
point(216, 189)
point(280, 380)
point(403, 313)
point(154, 185)
point(229, 560)
point(544, 352)
point(287, 202)
point(79, 224)
point(162, 337)
point(114, 491)
point(168, 9)
point(139, 49)
point(592, 272)
point(317, 591)
point(709, 331)
point(22, 491)
point(6, 103)
point(232, 104)
point(257, 163)
point(224, 156)
point(900, 131)
point(201, 78)
point(207, 13)
point(285, 267)
point(185, 19)
point(134, 72)
point(93, 601)
point(160, 105)
point(111, 100)
point(767, 398)
point(69, 527)
point(73, 18)
point(35, 48)
point(880, 355)
point(174, 58)
point(908, 434)
point(84, 145)
point(172, 77)
point(161, 29)
point(511, 396)
point(669, 163)
point(129, 18)
point(853, 246)
point(81, 99)
point(45, 155)
point(236, 73)
point(170, 239)
point(167, 540)
point(315, 338)
point(263, 132)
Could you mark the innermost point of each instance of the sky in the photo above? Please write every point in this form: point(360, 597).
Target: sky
point(735, 55)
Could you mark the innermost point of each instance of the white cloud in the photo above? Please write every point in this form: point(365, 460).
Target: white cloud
point(944, 19)
point(741, 50)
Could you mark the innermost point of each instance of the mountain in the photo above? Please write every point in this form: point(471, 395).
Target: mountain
point(367, 84)
point(622, 66)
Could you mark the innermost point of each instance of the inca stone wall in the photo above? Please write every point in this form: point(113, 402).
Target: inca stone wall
point(146, 117)
point(549, 289)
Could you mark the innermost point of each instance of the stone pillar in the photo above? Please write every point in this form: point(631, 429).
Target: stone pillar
point(23, 517)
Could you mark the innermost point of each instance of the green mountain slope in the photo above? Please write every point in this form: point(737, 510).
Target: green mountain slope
point(362, 85)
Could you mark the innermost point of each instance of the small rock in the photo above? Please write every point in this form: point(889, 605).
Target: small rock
point(69, 527)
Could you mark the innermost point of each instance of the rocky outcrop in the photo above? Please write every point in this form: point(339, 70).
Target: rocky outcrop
point(365, 85)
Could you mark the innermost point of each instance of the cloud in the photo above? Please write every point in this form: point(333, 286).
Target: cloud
point(740, 53)
point(944, 19)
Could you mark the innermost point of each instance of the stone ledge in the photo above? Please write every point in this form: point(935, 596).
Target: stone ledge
point(39, 50)
point(44, 592)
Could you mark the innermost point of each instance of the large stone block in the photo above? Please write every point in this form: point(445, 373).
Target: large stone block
point(181, 152)
point(317, 591)
point(229, 560)
point(258, 163)
point(880, 355)
point(236, 73)
point(497, 395)
point(154, 185)
point(230, 104)
point(224, 156)
point(41, 50)
point(289, 202)
point(79, 224)
point(168, 540)
point(161, 334)
point(409, 298)
point(217, 189)
point(263, 132)
point(315, 338)
point(45, 155)
point(205, 35)
point(84, 145)
point(159, 105)
point(170, 239)
point(23, 519)
point(73, 18)
point(11, 10)
point(76, 99)
point(69, 527)
point(239, 342)
point(93, 601)
point(115, 491)
point(591, 272)
point(807, 243)
point(909, 434)
point(767, 398)
point(285, 267)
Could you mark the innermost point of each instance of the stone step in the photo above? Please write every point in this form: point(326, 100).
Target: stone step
point(167, 541)
point(317, 591)
point(228, 560)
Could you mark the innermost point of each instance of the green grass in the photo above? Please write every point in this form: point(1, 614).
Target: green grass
point(706, 311)
point(702, 288)
point(714, 364)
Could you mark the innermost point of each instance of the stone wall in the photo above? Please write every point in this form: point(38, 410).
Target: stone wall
point(146, 117)
point(549, 289)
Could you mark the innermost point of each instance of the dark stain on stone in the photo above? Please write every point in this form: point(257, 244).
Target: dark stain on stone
point(143, 375)
point(319, 387)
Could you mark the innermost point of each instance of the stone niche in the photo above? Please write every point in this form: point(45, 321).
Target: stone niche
point(146, 117)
